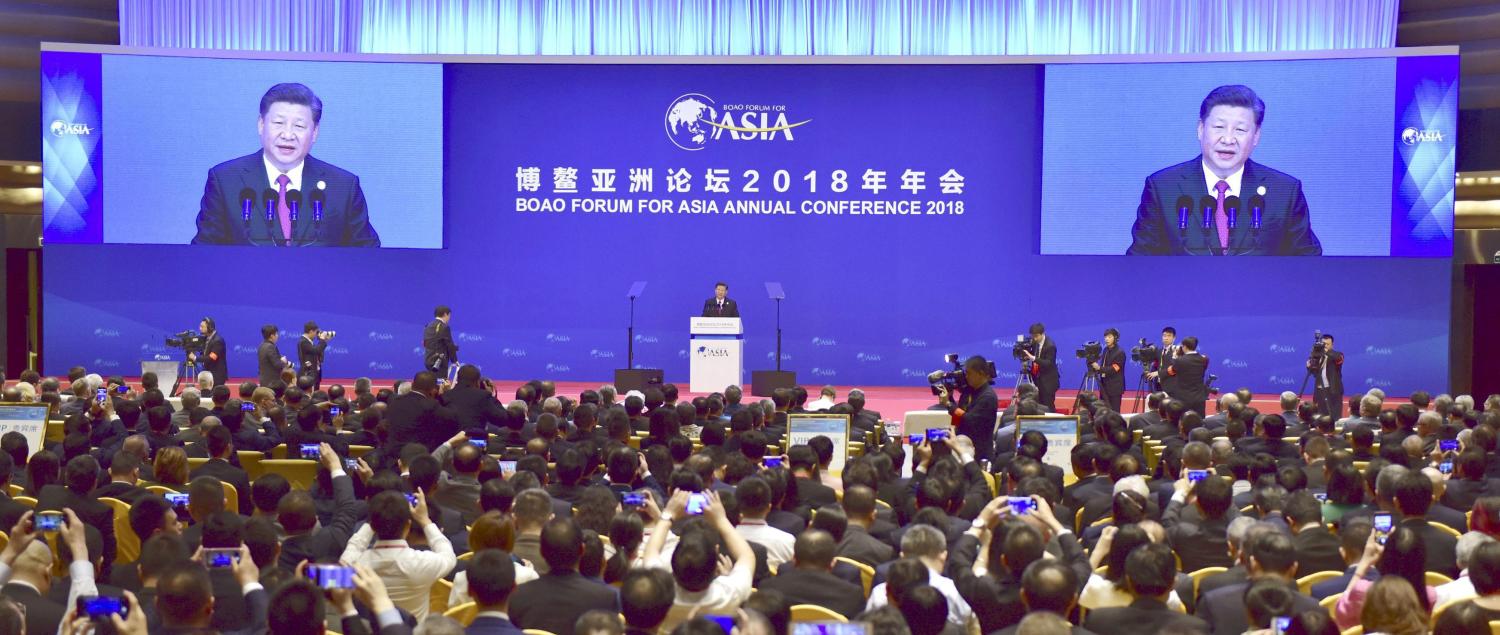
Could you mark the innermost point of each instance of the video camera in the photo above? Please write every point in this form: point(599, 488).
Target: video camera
point(954, 380)
point(1022, 346)
point(1091, 350)
point(189, 341)
point(1212, 389)
point(1319, 348)
point(327, 335)
point(1145, 352)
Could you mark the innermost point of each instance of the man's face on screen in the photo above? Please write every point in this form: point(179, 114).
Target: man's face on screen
point(287, 133)
point(1226, 138)
point(720, 292)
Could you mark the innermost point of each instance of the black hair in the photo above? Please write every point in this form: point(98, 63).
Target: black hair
point(291, 93)
point(1233, 95)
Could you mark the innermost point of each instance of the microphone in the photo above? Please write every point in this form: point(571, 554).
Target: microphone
point(1209, 204)
point(293, 203)
point(269, 196)
point(247, 203)
point(1184, 208)
point(1232, 210)
point(317, 198)
point(1257, 205)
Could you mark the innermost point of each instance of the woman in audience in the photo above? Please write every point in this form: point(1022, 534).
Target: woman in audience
point(171, 468)
point(1317, 622)
point(1392, 607)
point(1402, 556)
point(493, 530)
point(596, 507)
point(626, 533)
point(1464, 618)
point(1346, 491)
point(1108, 589)
point(1485, 517)
point(43, 469)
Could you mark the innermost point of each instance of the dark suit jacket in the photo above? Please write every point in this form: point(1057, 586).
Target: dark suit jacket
point(554, 601)
point(1448, 516)
point(1198, 544)
point(711, 308)
point(1461, 493)
point(821, 588)
point(1144, 616)
point(1285, 229)
point(123, 492)
point(475, 408)
point(310, 355)
point(214, 358)
point(345, 221)
point(1317, 550)
point(417, 418)
point(491, 626)
point(1188, 371)
point(814, 494)
point(42, 615)
point(90, 511)
point(1440, 555)
point(859, 545)
point(268, 363)
point(1044, 368)
point(325, 543)
point(10, 511)
point(222, 470)
point(1224, 608)
point(1112, 370)
point(437, 340)
point(1072, 630)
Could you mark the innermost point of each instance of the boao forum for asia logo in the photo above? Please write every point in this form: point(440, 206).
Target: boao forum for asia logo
point(695, 120)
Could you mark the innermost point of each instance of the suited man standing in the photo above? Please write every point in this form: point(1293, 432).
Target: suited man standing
point(1328, 368)
point(1317, 548)
point(1164, 356)
point(418, 417)
point(492, 578)
point(1188, 370)
point(1111, 369)
point(810, 580)
point(80, 475)
point(977, 406)
point(1150, 572)
point(214, 359)
point(315, 202)
point(1043, 365)
point(310, 352)
point(438, 349)
point(720, 305)
point(268, 357)
point(1215, 185)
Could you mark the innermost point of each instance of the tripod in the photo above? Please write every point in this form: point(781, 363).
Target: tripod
point(1024, 375)
point(1142, 391)
point(189, 375)
point(1308, 377)
point(1090, 382)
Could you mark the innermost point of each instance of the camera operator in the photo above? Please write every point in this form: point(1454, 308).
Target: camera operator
point(214, 360)
point(1187, 371)
point(1043, 366)
point(977, 406)
point(269, 357)
point(310, 352)
point(438, 349)
point(1327, 365)
point(1167, 353)
point(1111, 369)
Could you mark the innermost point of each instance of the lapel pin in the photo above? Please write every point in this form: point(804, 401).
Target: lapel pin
point(322, 185)
point(1260, 190)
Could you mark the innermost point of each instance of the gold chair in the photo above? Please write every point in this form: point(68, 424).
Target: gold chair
point(25, 500)
point(1305, 583)
point(1078, 520)
point(1330, 602)
point(989, 479)
point(161, 490)
point(467, 555)
point(231, 497)
point(437, 599)
point(4, 541)
point(463, 613)
point(279, 452)
point(1494, 627)
point(250, 462)
point(1102, 521)
point(1434, 579)
point(866, 573)
point(536, 631)
point(1198, 575)
point(195, 463)
point(54, 432)
point(302, 474)
point(1354, 630)
point(16, 490)
point(1444, 528)
point(356, 451)
point(127, 544)
point(1438, 610)
point(815, 613)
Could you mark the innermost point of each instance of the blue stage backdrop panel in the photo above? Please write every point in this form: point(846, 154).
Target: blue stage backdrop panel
point(872, 300)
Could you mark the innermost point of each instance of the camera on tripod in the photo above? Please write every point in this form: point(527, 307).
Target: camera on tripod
point(953, 380)
point(1022, 346)
point(1319, 349)
point(1091, 350)
point(189, 341)
point(1144, 352)
point(1212, 389)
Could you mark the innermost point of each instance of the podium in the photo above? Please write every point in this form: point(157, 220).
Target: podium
point(716, 352)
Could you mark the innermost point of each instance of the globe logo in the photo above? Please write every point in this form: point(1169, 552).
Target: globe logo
point(688, 121)
point(1409, 136)
point(59, 127)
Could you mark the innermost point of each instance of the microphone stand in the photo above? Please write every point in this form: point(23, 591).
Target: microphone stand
point(778, 335)
point(630, 337)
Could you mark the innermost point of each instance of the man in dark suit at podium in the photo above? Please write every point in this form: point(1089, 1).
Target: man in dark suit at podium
point(1220, 202)
point(1043, 364)
point(1188, 370)
point(312, 202)
point(720, 305)
point(438, 349)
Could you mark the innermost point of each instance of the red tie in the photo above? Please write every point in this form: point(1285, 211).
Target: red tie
point(286, 213)
point(1221, 219)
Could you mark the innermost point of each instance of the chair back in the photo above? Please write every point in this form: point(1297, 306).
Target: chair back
point(1305, 583)
point(463, 613)
point(866, 573)
point(815, 613)
point(127, 544)
point(300, 473)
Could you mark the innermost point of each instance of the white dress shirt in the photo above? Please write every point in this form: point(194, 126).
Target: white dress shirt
point(295, 174)
point(1233, 179)
point(959, 612)
point(778, 543)
point(408, 573)
point(722, 597)
point(460, 592)
point(1100, 593)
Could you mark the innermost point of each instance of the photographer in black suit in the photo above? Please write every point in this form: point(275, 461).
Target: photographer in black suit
point(977, 406)
point(720, 305)
point(310, 352)
point(1328, 369)
point(1165, 355)
point(214, 359)
point(1187, 371)
point(1111, 369)
point(438, 349)
point(269, 358)
point(1043, 364)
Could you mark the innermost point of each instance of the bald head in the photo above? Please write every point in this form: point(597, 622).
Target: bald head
point(136, 444)
point(814, 549)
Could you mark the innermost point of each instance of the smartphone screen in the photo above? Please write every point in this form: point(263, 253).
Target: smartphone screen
point(246, 406)
point(1446, 467)
point(331, 576)
point(697, 503)
point(937, 434)
point(725, 622)
point(1021, 505)
point(351, 465)
point(1448, 445)
point(49, 521)
point(1280, 625)
point(1382, 527)
point(178, 501)
point(100, 395)
point(100, 607)
point(508, 467)
point(220, 558)
point(633, 498)
point(311, 451)
point(334, 411)
point(1193, 476)
point(773, 461)
point(482, 444)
